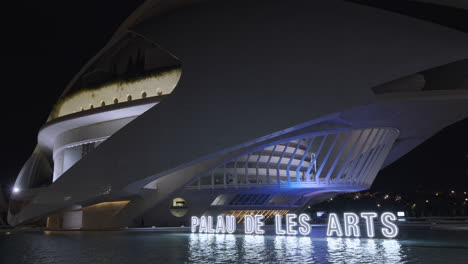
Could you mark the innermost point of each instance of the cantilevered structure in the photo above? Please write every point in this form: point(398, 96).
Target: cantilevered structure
point(208, 107)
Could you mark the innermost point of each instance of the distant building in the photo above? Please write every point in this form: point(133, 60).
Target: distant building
point(239, 107)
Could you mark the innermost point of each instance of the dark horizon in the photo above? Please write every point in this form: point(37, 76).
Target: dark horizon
point(49, 43)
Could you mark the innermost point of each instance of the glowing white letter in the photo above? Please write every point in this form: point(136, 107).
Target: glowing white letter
point(279, 231)
point(390, 230)
point(290, 223)
point(249, 224)
point(220, 226)
point(202, 228)
point(194, 223)
point(351, 221)
point(369, 217)
point(210, 225)
point(334, 225)
point(230, 224)
point(304, 226)
point(258, 225)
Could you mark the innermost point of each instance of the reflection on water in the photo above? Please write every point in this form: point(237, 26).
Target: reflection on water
point(212, 247)
point(392, 249)
point(253, 242)
point(252, 248)
point(425, 246)
point(249, 248)
point(355, 250)
point(293, 248)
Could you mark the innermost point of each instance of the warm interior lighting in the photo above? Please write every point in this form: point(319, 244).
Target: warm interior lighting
point(268, 214)
point(99, 211)
point(105, 205)
point(159, 84)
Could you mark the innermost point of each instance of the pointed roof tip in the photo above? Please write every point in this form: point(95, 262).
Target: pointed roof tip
point(461, 4)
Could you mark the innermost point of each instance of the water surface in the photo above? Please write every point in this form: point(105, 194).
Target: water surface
point(415, 245)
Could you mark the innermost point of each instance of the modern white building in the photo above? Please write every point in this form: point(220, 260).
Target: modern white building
point(239, 107)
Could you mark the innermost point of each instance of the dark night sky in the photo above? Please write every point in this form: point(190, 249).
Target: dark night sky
point(47, 42)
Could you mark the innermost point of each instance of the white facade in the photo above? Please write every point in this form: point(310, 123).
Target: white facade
point(268, 112)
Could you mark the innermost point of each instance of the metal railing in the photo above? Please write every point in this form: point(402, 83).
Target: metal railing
point(340, 158)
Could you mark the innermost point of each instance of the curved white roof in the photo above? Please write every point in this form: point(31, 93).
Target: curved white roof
point(251, 74)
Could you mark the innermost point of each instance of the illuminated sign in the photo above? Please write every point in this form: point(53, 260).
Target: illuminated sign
point(224, 224)
point(299, 224)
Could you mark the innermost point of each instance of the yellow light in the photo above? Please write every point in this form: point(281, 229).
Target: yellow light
point(268, 214)
point(154, 85)
point(107, 204)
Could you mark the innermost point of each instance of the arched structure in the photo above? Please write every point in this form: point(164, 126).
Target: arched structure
point(240, 106)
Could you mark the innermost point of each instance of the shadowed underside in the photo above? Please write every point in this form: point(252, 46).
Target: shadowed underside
point(258, 75)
